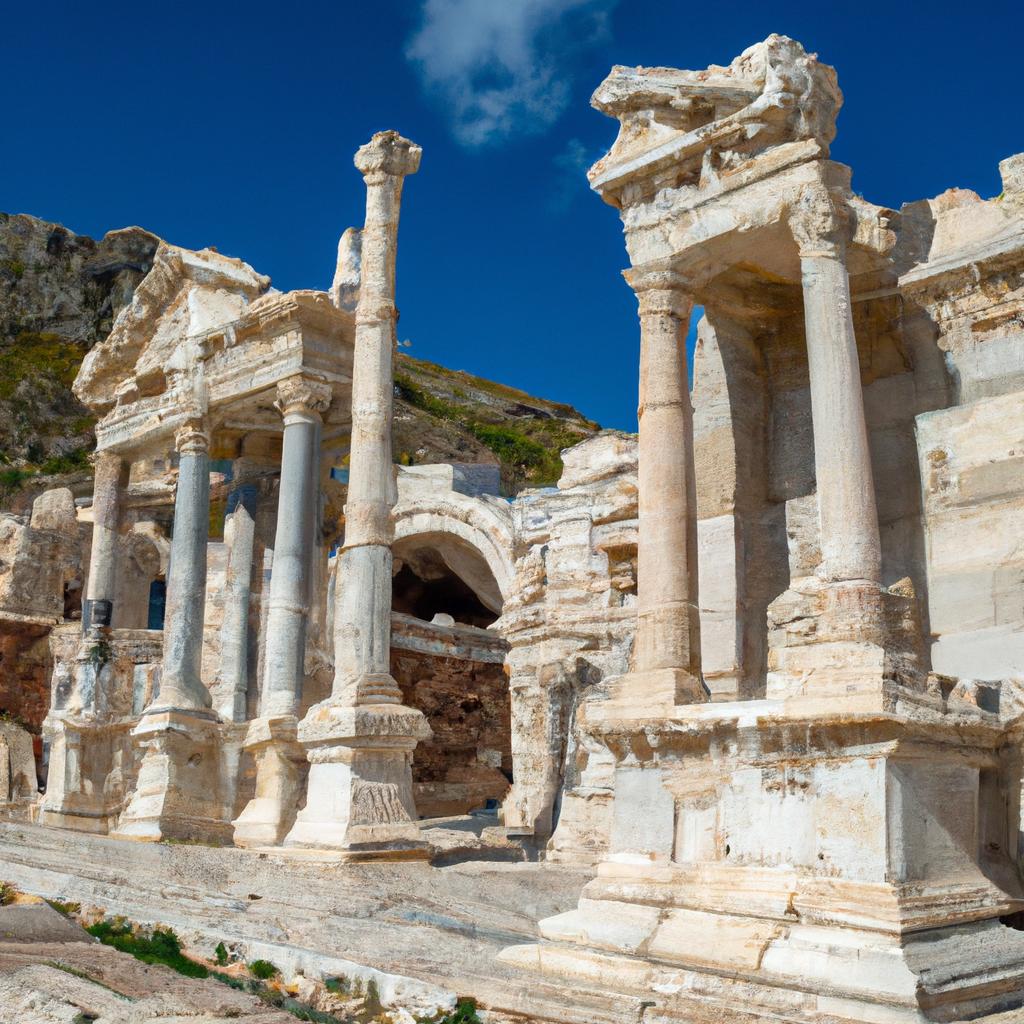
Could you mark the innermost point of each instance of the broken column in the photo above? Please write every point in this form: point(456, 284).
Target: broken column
point(666, 654)
point(80, 711)
point(240, 540)
point(271, 738)
point(360, 740)
point(177, 794)
point(107, 495)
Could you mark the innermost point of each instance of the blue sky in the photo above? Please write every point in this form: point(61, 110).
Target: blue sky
point(234, 126)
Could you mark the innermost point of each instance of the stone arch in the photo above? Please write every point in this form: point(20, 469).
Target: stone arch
point(454, 557)
point(472, 521)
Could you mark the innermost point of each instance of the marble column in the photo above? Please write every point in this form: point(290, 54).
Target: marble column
point(109, 481)
point(240, 538)
point(272, 738)
point(850, 545)
point(666, 655)
point(360, 740)
point(179, 793)
point(181, 684)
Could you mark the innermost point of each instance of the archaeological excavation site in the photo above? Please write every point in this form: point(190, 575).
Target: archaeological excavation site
point(343, 687)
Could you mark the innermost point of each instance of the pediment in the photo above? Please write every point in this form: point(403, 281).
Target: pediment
point(186, 295)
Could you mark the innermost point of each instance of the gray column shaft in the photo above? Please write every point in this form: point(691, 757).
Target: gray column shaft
point(289, 582)
point(234, 644)
point(106, 512)
point(181, 681)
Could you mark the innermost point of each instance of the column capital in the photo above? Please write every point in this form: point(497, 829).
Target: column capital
point(192, 437)
point(303, 395)
point(387, 155)
point(104, 458)
point(660, 292)
point(818, 222)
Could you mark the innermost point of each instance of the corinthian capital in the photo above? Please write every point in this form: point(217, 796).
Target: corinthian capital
point(662, 292)
point(388, 154)
point(193, 437)
point(819, 224)
point(300, 394)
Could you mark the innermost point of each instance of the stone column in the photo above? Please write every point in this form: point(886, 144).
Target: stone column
point(181, 684)
point(107, 494)
point(301, 402)
point(240, 537)
point(179, 791)
point(360, 740)
point(80, 710)
point(850, 545)
point(271, 738)
point(666, 653)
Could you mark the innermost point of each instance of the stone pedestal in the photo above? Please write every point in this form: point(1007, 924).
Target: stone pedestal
point(280, 774)
point(90, 763)
point(359, 800)
point(858, 875)
point(181, 791)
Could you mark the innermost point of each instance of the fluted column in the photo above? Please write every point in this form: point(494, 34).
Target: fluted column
point(850, 545)
point(181, 684)
point(300, 401)
point(666, 654)
point(360, 740)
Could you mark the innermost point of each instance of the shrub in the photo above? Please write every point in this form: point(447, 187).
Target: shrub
point(221, 953)
point(263, 969)
point(162, 947)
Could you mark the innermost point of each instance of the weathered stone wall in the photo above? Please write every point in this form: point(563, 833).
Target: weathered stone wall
point(40, 580)
point(969, 295)
point(24, 672)
point(455, 676)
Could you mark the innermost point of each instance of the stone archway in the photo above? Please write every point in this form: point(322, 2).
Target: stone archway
point(453, 572)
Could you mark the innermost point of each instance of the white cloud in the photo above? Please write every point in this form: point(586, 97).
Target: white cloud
point(503, 67)
point(570, 177)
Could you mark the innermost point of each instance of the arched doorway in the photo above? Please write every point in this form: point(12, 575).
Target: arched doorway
point(449, 660)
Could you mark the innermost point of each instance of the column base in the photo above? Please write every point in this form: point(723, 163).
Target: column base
point(652, 693)
point(834, 639)
point(179, 793)
point(359, 794)
point(280, 762)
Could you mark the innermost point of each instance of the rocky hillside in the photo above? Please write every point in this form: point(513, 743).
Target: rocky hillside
point(59, 294)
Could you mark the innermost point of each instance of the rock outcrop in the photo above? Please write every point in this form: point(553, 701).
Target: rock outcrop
point(59, 295)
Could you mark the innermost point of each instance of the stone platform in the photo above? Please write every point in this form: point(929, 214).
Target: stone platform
point(409, 926)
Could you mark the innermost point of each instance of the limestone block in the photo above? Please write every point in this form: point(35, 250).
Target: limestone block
point(973, 481)
point(720, 560)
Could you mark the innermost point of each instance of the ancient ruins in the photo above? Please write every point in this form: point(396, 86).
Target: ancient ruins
point(726, 727)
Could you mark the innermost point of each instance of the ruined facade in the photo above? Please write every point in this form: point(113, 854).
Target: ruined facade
point(759, 666)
